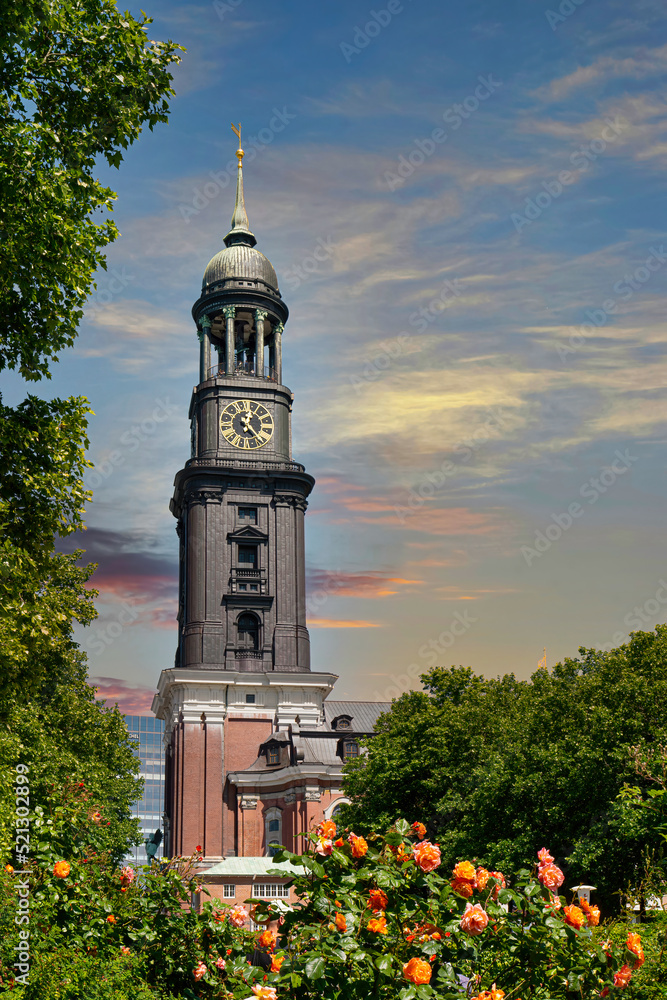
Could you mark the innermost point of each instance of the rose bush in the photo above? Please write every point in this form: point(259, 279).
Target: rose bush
point(376, 919)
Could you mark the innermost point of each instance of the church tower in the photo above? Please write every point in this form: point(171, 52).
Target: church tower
point(242, 669)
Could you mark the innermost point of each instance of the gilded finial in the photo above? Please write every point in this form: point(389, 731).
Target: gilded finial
point(239, 152)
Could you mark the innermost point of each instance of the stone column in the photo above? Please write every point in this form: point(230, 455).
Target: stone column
point(278, 350)
point(204, 348)
point(260, 316)
point(229, 313)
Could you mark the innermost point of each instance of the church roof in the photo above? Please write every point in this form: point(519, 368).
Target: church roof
point(364, 714)
point(253, 866)
point(242, 262)
point(319, 751)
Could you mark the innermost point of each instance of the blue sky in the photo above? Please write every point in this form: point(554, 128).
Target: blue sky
point(478, 362)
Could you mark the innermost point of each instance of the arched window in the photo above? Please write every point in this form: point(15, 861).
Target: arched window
point(248, 631)
point(273, 826)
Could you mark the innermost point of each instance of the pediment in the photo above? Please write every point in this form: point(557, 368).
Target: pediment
point(248, 533)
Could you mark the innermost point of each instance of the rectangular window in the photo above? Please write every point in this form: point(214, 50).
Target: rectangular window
point(248, 556)
point(273, 755)
point(229, 891)
point(243, 586)
point(269, 890)
point(250, 699)
point(248, 514)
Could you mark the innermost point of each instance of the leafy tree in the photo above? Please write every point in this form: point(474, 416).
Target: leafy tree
point(79, 80)
point(500, 766)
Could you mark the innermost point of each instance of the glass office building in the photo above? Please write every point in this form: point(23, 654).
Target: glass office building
point(147, 732)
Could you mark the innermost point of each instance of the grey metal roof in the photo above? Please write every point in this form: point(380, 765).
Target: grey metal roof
point(319, 751)
point(240, 261)
point(364, 714)
point(252, 866)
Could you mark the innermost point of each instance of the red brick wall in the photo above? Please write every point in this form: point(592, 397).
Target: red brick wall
point(242, 832)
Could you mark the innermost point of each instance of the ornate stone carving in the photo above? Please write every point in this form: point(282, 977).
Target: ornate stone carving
point(203, 496)
point(229, 312)
point(248, 800)
point(312, 793)
point(289, 797)
point(289, 500)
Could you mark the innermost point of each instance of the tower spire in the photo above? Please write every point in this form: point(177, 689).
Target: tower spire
point(240, 231)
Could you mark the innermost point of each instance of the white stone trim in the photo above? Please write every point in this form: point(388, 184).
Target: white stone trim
point(342, 800)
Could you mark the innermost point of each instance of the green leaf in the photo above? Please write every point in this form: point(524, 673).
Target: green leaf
point(315, 967)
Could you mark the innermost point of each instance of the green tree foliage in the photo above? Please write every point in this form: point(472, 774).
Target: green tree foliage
point(78, 82)
point(42, 591)
point(500, 766)
point(80, 780)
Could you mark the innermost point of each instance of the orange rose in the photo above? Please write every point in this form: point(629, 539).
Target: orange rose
point(339, 842)
point(61, 869)
point(9, 869)
point(377, 899)
point(359, 846)
point(417, 971)
point(474, 919)
point(265, 992)
point(324, 846)
point(419, 830)
point(427, 855)
point(327, 829)
point(340, 922)
point(462, 886)
point(124, 950)
point(623, 977)
point(378, 925)
point(464, 870)
point(544, 856)
point(634, 944)
point(276, 963)
point(482, 876)
point(402, 854)
point(551, 876)
point(111, 919)
point(267, 939)
point(492, 994)
point(573, 916)
point(593, 916)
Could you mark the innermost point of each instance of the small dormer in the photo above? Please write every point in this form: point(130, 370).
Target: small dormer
point(276, 752)
point(347, 749)
point(342, 723)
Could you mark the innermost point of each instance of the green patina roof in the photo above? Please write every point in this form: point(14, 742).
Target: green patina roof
point(253, 866)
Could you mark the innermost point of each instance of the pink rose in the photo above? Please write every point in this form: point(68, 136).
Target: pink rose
point(238, 916)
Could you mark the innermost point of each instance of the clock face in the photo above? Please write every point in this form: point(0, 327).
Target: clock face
point(246, 424)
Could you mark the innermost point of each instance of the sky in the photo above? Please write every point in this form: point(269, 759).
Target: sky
point(477, 350)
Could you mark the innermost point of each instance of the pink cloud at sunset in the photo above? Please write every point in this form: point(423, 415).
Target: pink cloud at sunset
point(368, 584)
point(340, 623)
point(131, 700)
